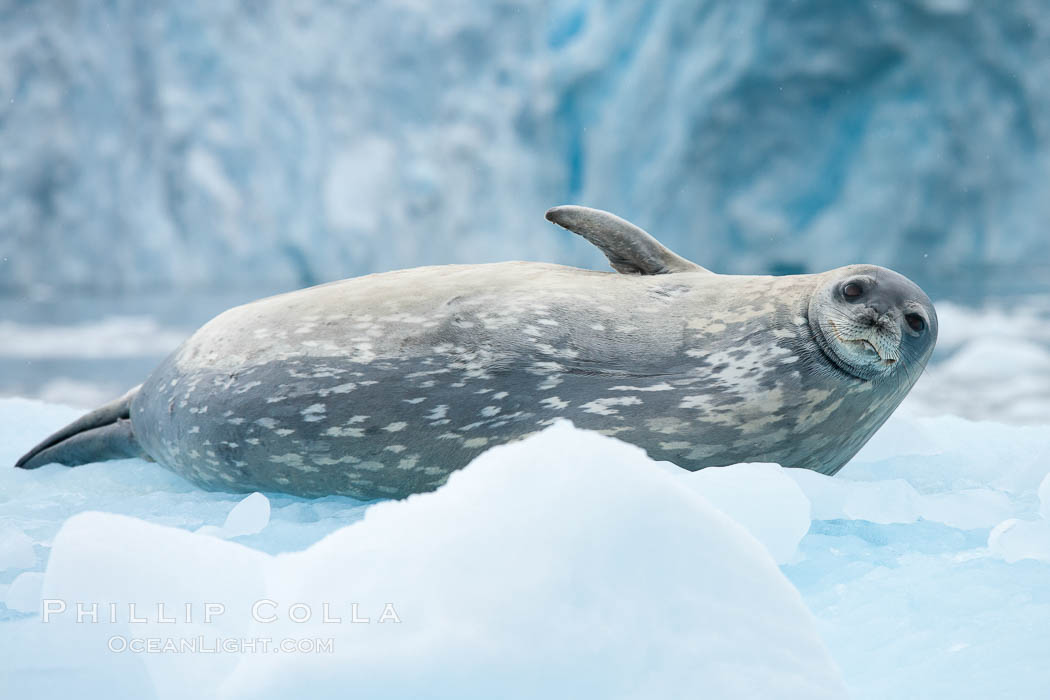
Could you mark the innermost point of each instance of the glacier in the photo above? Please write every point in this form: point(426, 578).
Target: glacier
point(203, 145)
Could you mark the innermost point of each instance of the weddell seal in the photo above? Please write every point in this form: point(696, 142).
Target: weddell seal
point(381, 386)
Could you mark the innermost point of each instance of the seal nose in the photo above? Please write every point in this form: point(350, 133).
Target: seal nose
point(879, 306)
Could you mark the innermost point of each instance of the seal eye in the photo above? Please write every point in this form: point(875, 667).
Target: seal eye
point(852, 290)
point(915, 322)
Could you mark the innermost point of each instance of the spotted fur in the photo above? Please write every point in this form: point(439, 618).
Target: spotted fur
point(383, 385)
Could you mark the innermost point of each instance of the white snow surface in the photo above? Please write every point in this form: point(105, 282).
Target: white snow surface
point(919, 571)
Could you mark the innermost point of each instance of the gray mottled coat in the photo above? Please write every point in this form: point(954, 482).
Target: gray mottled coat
point(381, 386)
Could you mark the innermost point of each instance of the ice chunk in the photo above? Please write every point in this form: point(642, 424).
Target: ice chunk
point(831, 498)
point(1014, 540)
point(897, 501)
point(24, 593)
point(513, 564)
point(538, 571)
point(1044, 497)
point(946, 453)
point(896, 438)
point(16, 550)
point(891, 501)
point(967, 509)
point(762, 498)
point(248, 517)
point(203, 585)
point(998, 368)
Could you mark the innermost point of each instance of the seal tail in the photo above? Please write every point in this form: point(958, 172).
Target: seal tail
point(100, 435)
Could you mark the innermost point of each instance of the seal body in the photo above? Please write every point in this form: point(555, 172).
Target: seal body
point(381, 386)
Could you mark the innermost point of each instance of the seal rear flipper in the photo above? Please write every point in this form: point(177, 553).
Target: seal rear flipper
point(630, 250)
point(102, 434)
point(113, 441)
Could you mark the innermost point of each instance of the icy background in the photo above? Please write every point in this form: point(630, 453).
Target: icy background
point(216, 144)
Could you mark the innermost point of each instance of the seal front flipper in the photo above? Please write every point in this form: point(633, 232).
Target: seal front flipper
point(630, 250)
point(103, 434)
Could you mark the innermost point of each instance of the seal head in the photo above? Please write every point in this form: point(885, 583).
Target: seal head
point(872, 323)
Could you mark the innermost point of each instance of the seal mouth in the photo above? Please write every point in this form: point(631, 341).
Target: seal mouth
point(863, 348)
point(867, 348)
